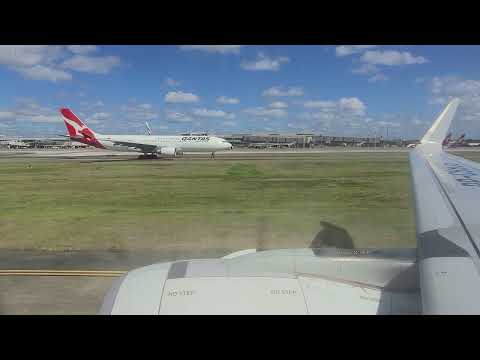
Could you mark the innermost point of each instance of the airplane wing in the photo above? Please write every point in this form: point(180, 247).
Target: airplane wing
point(145, 148)
point(447, 197)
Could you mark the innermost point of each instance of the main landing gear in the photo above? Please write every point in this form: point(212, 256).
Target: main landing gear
point(148, 156)
point(212, 156)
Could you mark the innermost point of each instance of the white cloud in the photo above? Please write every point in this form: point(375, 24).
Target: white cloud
point(227, 100)
point(455, 86)
point(229, 123)
point(172, 82)
point(213, 113)
point(41, 72)
point(92, 106)
point(180, 97)
point(138, 112)
point(98, 117)
point(386, 124)
point(34, 62)
point(372, 59)
point(279, 105)
point(28, 110)
point(220, 49)
point(320, 104)
point(279, 91)
point(7, 115)
point(378, 77)
point(175, 116)
point(370, 69)
point(345, 50)
point(264, 63)
point(267, 113)
point(40, 118)
point(50, 62)
point(90, 64)
point(82, 49)
point(418, 122)
point(28, 55)
point(320, 115)
point(345, 115)
point(366, 69)
point(391, 58)
point(443, 89)
point(353, 105)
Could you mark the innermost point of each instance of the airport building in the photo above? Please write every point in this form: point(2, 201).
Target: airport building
point(40, 143)
point(254, 141)
point(302, 140)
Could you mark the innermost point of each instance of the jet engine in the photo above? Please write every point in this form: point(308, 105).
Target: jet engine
point(170, 151)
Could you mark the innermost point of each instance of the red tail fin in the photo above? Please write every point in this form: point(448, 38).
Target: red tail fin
point(73, 123)
point(447, 139)
point(77, 129)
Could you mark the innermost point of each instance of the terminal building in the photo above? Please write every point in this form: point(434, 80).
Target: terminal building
point(300, 141)
point(256, 141)
point(40, 143)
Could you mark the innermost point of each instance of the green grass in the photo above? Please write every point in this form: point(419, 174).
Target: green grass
point(205, 204)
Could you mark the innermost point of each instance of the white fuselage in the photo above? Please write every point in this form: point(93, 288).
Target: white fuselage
point(181, 143)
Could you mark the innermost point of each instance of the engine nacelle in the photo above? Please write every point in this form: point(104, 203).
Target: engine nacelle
point(169, 151)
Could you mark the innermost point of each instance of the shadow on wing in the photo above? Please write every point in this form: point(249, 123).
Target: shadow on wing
point(332, 236)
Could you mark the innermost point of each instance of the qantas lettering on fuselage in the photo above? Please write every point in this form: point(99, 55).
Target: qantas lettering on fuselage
point(196, 138)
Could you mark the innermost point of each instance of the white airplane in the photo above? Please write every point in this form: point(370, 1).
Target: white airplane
point(441, 276)
point(149, 145)
point(17, 144)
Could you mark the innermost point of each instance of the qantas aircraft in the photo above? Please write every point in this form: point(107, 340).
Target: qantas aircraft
point(148, 145)
point(441, 276)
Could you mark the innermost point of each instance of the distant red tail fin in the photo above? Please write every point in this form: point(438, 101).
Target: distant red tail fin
point(447, 139)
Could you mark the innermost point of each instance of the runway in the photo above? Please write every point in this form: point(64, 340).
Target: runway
point(225, 155)
point(85, 273)
point(269, 154)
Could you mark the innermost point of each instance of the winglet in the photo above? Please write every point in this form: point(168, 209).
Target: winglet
point(439, 129)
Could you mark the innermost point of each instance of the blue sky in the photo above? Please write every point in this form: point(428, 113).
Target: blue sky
point(224, 89)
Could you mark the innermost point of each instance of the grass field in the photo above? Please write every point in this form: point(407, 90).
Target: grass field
point(345, 200)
